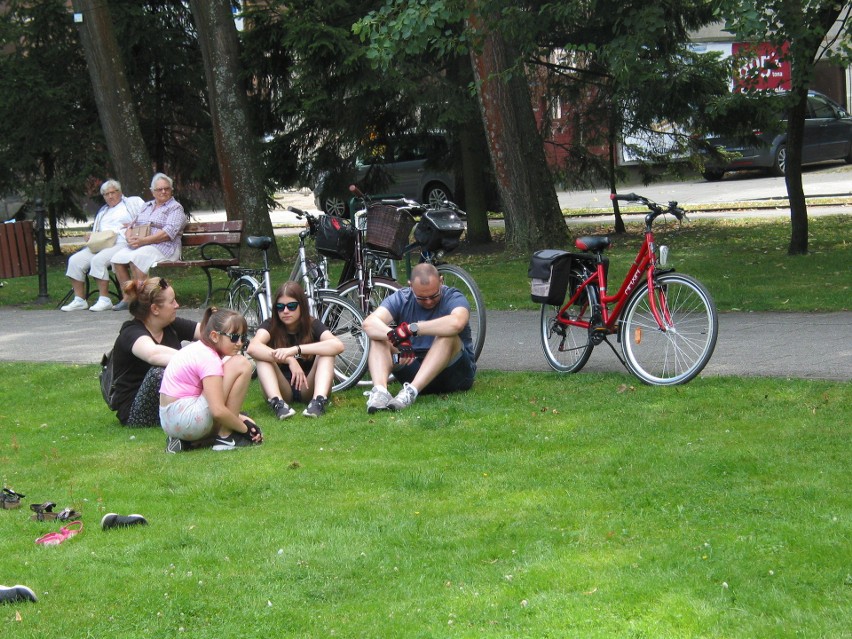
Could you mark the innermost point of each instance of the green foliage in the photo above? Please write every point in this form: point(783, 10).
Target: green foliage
point(50, 137)
point(535, 505)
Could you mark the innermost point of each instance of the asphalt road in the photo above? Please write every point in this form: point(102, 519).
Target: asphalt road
point(785, 345)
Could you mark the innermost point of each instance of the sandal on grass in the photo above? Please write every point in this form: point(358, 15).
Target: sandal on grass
point(9, 499)
point(56, 538)
point(44, 512)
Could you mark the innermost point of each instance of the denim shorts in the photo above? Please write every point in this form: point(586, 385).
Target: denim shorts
point(458, 376)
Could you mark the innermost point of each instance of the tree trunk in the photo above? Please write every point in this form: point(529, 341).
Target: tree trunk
point(793, 176)
point(611, 176)
point(116, 109)
point(474, 163)
point(237, 149)
point(533, 218)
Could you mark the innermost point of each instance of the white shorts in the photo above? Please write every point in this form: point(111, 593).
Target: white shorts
point(144, 257)
point(95, 264)
point(188, 418)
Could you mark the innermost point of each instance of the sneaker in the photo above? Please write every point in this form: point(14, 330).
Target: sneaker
point(121, 306)
point(378, 399)
point(175, 445)
point(231, 442)
point(103, 304)
point(76, 304)
point(12, 594)
point(280, 408)
point(404, 398)
point(316, 407)
point(112, 520)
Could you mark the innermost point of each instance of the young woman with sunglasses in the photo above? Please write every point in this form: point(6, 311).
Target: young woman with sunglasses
point(143, 348)
point(204, 387)
point(294, 353)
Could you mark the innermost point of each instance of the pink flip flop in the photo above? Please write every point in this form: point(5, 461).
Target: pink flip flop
point(56, 538)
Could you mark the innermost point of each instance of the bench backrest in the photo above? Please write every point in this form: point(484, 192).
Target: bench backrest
point(198, 233)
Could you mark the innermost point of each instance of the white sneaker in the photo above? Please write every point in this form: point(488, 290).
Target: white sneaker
point(404, 398)
point(76, 305)
point(103, 304)
point(377, 399)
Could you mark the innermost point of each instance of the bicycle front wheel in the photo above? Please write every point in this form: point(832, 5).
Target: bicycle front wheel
point(567, 347)
point(678, 351)
point(344, 320)
point(457, 277)
point(244, 297)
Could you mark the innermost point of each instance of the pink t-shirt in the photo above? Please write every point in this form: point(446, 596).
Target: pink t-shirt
point(188, 367)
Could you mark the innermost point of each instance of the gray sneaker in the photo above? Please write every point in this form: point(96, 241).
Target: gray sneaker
point(111, 520)
point(404, 398)
point(281, 409)
point(316, 407)
point(121, 306)
point(378, 399)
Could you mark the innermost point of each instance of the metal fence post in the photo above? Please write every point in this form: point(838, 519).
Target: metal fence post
point(41, 241)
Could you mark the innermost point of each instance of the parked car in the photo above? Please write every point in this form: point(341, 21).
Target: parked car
point(828, 136)
point(416, 166)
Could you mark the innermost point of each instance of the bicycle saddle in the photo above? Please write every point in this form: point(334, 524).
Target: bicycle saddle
point(595, 244)
point(261, 242)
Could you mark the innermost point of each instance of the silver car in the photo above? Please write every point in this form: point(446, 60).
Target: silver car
point(415, 166)
point(828, 136)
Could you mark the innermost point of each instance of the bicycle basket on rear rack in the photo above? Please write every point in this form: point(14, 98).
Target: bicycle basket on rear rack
point(335, 237)
point(439, 230)
point(388, 229)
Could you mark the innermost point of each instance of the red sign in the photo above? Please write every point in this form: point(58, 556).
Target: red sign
point(762, 66)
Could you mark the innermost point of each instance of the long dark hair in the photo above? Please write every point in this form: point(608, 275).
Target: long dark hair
point(278, 332)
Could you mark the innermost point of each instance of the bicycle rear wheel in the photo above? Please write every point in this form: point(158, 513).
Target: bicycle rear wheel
point(566, 347)
point(244, 297)
point(382, 287)
point(678, 353)
point(344, 320)
point(457, 277)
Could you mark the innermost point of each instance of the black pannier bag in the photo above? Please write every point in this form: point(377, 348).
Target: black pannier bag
point(549, 271)
point(335, 237)
point(439, 230)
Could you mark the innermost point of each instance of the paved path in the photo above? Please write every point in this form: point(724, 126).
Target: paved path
point(801, 345)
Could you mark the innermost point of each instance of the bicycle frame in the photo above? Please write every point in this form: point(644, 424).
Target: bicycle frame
point(645, 263)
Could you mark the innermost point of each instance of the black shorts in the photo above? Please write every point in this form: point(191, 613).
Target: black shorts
point(458, 376)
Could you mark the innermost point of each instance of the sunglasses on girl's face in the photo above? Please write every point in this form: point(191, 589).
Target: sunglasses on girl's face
point(236, 337)
point(290, 306)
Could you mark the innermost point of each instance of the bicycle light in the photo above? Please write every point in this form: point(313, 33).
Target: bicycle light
point(664, 255)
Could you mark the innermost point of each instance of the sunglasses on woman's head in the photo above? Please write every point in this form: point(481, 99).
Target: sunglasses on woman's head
point(236, 337)
point(163, 283)
point(290, 306)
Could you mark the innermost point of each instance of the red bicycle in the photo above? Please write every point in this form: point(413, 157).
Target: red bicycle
point(666, 322)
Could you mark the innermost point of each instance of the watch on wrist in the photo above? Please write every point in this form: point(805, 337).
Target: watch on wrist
point(413, 328)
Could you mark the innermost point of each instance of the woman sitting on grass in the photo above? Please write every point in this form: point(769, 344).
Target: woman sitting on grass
point(294, 354)
point(201, 395)
point(145, 344)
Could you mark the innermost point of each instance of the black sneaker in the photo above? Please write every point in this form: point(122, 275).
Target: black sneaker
point(316, 407)
point(12, 594)
point(231, 442)
point(175, 445)
point(281, 409)
point(112, 520)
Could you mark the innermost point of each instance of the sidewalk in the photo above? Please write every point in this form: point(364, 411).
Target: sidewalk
point(784, 345)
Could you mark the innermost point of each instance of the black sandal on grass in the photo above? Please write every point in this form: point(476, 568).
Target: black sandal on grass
point(44, 512)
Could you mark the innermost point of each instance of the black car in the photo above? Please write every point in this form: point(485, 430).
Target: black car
point(415, 166)
point(828, 136)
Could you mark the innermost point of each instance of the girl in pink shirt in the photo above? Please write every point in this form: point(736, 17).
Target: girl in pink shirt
point(204, 387)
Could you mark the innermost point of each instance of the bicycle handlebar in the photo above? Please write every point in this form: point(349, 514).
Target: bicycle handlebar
point(656, 209)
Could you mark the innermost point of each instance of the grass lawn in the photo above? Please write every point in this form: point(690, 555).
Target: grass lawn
point(525, 508)
point(536, 505)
